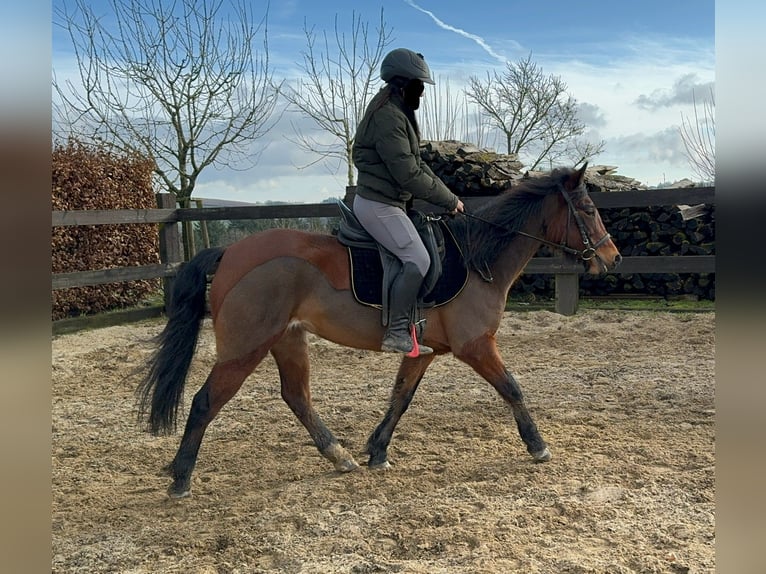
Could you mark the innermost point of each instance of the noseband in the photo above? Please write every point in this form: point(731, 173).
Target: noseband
point(589, 248)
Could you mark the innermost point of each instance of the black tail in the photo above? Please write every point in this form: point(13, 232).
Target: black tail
point(161, 391)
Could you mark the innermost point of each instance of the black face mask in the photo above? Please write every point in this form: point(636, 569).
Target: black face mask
point(412, 92)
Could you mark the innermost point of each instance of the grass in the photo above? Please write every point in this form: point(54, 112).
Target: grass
point(618, 303)
point(149, 308)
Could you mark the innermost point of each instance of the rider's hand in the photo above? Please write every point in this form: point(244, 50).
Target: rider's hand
point(459, 207)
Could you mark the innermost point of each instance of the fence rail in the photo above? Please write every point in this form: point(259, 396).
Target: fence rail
point(566, 272)
point(119, 216)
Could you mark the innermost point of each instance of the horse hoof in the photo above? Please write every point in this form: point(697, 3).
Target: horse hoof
point(178, 494)
point(542, 456)
point(340, 458)
point(179, 489)
point(385, 465)
point(347, 465)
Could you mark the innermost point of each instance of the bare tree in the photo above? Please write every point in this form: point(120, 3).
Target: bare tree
point(533, 112)
point(440, 111)
point(338, 84)
point(574, 151)
point(699, 138)
point(180, 82)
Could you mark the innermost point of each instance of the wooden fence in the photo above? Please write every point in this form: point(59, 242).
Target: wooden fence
point(171, 254)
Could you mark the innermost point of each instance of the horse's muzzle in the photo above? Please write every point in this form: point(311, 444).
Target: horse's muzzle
point(599, 266)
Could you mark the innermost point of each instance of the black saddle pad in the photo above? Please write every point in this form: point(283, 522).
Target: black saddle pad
point(367, 274)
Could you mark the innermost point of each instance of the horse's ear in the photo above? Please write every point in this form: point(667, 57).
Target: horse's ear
point(581, 174)
point(577, 178)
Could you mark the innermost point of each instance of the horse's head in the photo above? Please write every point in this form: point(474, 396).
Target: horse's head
point(577, 225)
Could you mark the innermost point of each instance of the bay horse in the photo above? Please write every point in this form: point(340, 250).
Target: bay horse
point(272, 288)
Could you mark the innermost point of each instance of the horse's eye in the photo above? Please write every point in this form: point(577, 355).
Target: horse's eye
point(588, 209)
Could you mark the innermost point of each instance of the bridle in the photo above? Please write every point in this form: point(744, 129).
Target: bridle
point(589, 248)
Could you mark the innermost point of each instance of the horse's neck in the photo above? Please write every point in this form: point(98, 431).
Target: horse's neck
point(513, 251)
point(518, 251)
point(512, 260)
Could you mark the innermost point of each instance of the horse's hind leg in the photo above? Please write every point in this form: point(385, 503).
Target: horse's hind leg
point(411, 371)
point(292, 357)
point(223, 382)
point(483, 356)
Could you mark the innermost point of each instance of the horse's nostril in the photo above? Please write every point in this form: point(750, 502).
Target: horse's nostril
point(617, 259)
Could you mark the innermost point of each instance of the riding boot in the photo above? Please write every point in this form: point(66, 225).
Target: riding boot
point(402, 298)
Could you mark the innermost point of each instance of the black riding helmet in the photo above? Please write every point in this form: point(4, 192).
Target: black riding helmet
point(405, 64)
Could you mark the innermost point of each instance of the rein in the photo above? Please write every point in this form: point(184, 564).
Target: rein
point(588, 253)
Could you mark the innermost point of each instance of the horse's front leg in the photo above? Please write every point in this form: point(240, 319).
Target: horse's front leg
point(482, 355)
point(411, 371)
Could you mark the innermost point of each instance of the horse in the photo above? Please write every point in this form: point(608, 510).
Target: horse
point(272, 288)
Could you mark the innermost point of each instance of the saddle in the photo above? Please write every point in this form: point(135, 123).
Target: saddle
point(373, 267)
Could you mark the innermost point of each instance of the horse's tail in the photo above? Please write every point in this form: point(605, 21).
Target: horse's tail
point(161, 391)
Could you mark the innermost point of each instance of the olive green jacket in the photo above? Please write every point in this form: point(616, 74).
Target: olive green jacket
point(386, 153)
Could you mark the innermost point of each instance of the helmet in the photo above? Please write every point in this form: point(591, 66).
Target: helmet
point(407, 64)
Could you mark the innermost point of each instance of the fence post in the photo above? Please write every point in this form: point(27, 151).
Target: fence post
point(202, 226)
point(567, 293)
point(171, 250)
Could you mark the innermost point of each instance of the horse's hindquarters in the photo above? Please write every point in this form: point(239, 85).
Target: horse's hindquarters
point(285, 291)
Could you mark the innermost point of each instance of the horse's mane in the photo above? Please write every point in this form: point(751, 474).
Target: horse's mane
point(507, 213)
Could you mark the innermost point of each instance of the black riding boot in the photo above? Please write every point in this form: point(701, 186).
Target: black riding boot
point(402, 297)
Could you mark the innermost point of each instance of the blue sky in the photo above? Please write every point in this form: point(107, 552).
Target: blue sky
point(633, 66)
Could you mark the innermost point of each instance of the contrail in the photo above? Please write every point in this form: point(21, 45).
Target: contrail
point(478, 39)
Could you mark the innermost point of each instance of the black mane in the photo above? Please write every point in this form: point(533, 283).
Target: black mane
point(507, 213)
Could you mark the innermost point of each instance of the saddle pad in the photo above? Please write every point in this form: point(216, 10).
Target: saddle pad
point(367, 274)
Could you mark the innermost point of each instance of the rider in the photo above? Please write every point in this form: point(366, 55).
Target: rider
point(386, 154)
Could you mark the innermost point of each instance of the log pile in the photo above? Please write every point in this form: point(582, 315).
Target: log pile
point(469, 171)
point(473, 172)
point(660, 230)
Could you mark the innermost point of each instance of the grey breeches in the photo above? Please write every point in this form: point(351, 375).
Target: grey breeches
point(391, 227)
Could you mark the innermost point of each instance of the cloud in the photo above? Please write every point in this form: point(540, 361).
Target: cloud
point(478, 39)
point(664, 146)
point(591, 115)
point(685, 90)
point(284, 170)
point(296, 187)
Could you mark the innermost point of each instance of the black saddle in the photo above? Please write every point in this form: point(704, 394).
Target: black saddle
point(373, 267)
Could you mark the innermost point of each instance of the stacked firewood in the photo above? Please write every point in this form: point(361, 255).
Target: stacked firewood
point(469, 171)
point(637, 231)
point(473, 172)
point(660, 230)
